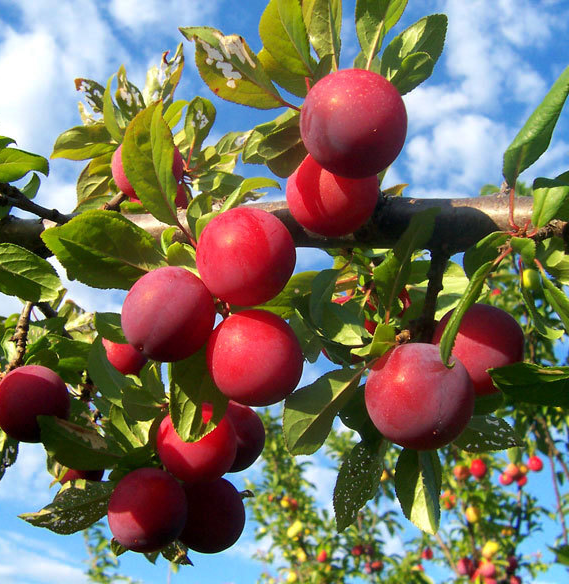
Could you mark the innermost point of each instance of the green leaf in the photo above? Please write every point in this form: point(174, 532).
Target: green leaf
point(310, 411)
point(374, 19)
point(292, 82)
point(14, 164)
point(151, 381)
point(112, 115)
point(5, 141)
point(392, 274)
point(534, 138)
point(148, 157)
point(354, 415)
point(486, 250)
point(198, 207)
point(125, 432)
point(31, 188)
point(27, 276)
point(525, 247)
point(561, 554)
point(103, 249)
point(200, 118)
point(72, 357)
point(108, 325)
point(469, 297)
point(534, 384)
point(8, 452)
point(140, 404)
point(284, 37)
point(161, 82)
point(418, 486)
point(558, 301)
point(94, 183)
point(190, 386)
point(323, 20)
point(76, 446)
point(413, 70)
point(83, 142)
point(299, 285)
point(106, 378)
point(128, 96)
point(426, 37)
point(181, 254)
point(549, 196)
point(358, 481)
point(539, 321)
point(552, 255)
point(177, 553)
point(259, 133)
point(323, 286)
point(76, 507)
point(231, 70)
point(93, 93)
point(486, 434)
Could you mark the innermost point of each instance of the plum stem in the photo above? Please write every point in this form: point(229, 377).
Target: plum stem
point(20, 337)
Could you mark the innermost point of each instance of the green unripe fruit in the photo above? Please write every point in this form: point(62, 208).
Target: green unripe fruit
point(531, 279)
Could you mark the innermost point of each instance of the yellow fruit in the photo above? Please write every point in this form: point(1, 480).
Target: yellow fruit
point(285, 503)
point(301, 556)
point(531, 279)
point(292, 577)
point(294, 530)
point(490, 549)
point(523, 468)
point(472, 514)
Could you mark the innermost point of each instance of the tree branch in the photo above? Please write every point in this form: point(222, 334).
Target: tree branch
point(10, 196)
point(460, 224)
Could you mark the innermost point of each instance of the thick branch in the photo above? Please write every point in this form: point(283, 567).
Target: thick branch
point(10, 196)
point(460, 224)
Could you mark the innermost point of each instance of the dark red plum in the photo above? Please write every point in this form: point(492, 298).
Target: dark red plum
point(215, 518)
point(168, 314)
point(250, 434)
point(28, 392)
point(327, 204)
point(354, 123)
point(245, 256)
point(202, 461)
point(488, 337)
point(147, 510)
point(89, 475)
point(124, 357)
point(254, 358)
point(415, 401)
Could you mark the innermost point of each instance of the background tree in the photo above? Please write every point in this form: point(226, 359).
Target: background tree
point(401, 256)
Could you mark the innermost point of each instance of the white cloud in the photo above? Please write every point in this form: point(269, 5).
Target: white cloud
point(462, 152)
point(29, 561)
point(166, 15)
point(27, 481)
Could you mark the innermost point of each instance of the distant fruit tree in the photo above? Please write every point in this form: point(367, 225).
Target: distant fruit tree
point(439, 319)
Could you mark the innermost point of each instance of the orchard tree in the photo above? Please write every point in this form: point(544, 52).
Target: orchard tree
point(437, 364)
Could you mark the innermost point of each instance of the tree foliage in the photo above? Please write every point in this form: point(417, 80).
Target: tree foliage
point(109, 242)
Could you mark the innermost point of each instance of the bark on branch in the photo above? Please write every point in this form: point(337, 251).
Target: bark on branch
point(460, 224)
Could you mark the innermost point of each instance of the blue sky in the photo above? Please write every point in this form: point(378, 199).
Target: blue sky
point(500, 58)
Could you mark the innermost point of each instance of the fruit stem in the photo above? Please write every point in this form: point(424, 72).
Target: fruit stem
point(20, 337)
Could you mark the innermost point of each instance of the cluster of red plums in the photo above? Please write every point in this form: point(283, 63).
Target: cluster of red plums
point(418, 402)
point(244, 257)
point(353, 124)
